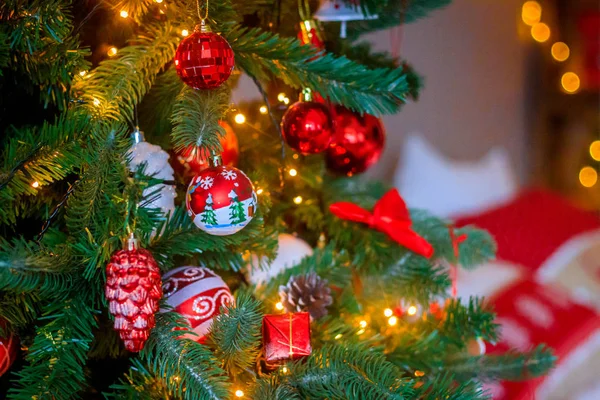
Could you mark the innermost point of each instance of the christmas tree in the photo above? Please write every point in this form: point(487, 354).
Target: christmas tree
point(208, 216)
point(236, 208)
point(385, 323)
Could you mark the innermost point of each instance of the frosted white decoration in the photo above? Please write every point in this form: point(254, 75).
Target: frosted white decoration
point(290, 252)
point(158, 166)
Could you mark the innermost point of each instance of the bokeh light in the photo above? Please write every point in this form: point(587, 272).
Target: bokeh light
point(588, 176)
point(570, 82)
point(560, 51)
point(540, 32)
point(595, 150)
point(531, 13)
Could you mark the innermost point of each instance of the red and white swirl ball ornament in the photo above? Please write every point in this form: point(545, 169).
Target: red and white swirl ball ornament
point(197, 293)
point(221, 200)
point(9, 345)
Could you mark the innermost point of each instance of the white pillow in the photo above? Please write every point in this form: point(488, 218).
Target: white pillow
point(429, 180)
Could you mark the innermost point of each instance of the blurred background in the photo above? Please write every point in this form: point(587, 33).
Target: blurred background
point(518, 78)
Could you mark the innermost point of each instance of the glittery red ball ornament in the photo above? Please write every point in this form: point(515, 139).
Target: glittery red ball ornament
point(221, 200)
point(357, 143)
point(204, 60)
point(307, 127)
point(9, 345)
point(133, 290)
point(191, 161)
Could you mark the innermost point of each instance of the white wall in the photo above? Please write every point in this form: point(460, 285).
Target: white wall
point(474, 69)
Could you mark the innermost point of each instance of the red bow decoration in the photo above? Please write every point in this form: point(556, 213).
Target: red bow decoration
point(389, 216)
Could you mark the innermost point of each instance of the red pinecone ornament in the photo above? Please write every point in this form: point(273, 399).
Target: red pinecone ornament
point(133, 289)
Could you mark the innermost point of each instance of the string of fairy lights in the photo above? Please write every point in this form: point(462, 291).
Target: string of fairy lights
point(531, 14)
point(570, 83)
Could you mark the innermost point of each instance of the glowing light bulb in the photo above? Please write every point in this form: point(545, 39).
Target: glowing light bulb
point(393, 321)
point(284, 370)
point(560, 51)
point(419, 373)
point(112, 52)
point(263, 109)
point(295, 156)
point(570, 82)
point(240, 118)
point(531, 13)
point(286, 101)
point(595, 150)
point(293, 172)
point(279, 306)
point(588, 176)
point(388, 312)
point(298, 199)
point(540, 32)
point(281, 96)
point(184, 32)
point(360, 332)
point(82, 73)
point(239, 393)
point(259, 191)
point(338, 336)
point(35, 184)
point(124, 14)
point(158, 1)
point(412, 310)
point(363, 324)
point(96, 102)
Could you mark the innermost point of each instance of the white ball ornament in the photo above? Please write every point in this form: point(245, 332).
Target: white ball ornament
point(290, 252)
point(197, 293)
point(157, 166)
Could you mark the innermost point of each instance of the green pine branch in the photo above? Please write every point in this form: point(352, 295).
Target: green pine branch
point(189, 370)
point(196, 115)
point(236, 333)
point(43, 155)
point(116, 86)
point(29, 267)
point(393, 13)
point(56, 359)
point(510, 366)
point(43, 45)
point(266, 55)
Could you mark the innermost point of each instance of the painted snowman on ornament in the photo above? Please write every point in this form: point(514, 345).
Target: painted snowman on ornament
point(221, 200)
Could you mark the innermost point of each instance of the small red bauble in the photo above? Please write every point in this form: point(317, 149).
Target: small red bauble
point(192, 160)
point(9, 345)
point(133, 289)
point(307, 127)
point(198, 294)
point(357, 143)
point(204, 60)
point(221, 200)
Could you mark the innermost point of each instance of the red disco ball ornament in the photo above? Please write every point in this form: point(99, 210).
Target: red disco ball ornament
point(192, 160)
point(357, 143)
point(204, 60)
point(307, 127)
point(221, 200)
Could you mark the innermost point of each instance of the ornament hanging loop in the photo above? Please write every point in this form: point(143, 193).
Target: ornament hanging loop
point(199, 8)
point(215, 160)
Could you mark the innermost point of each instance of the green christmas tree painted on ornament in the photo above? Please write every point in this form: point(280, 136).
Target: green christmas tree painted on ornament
point(237, 215)
point(208, 216)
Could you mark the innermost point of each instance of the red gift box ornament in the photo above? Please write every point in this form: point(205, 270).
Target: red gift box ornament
point(389, 216)
point(286, 336)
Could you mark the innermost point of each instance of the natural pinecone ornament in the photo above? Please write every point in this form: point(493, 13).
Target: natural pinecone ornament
point(307, 293)
point(133, 289)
